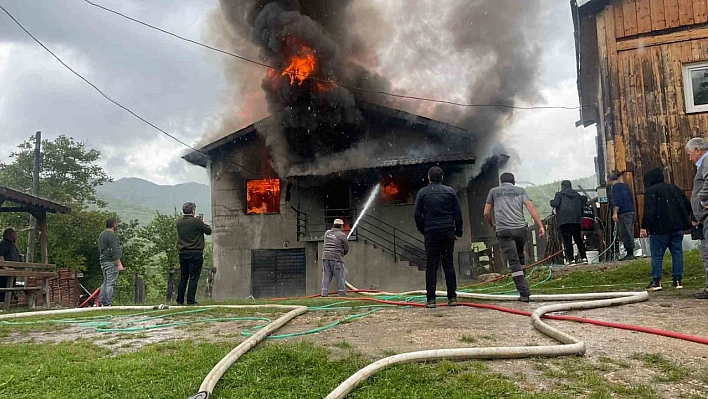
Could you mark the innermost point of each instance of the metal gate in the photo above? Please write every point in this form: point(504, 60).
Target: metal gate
point(278, 272)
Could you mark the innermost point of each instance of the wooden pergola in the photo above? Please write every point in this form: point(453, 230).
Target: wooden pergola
point(37, 207)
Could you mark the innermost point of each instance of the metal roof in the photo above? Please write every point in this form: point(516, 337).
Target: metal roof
point(199, 158)
point(20, 198)
point(446, 159)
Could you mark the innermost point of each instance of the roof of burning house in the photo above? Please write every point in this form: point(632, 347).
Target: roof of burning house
point(396, 115)
point(447, 159)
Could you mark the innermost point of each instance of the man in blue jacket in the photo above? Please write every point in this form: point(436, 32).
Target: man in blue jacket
point(623, 212)
point(438, 217)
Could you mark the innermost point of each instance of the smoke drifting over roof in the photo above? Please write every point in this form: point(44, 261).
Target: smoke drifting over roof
point(474, 51)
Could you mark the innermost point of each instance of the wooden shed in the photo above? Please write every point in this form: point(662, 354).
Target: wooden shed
point(43, 271)
point(643, 81)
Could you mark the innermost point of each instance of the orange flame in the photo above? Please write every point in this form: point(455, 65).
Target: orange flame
point(301, 68)
point(389, 191)
point(263, 196)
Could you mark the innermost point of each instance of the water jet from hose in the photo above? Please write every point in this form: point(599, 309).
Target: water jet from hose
point(367, 205)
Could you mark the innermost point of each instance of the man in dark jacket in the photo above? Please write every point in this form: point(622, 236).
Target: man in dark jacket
point(623, 212)
point(569, 207)
point(438, 217)
point(190, 244)
point(8, 252)
point(666, 216)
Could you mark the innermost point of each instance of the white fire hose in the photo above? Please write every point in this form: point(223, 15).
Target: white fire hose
point(569, 344)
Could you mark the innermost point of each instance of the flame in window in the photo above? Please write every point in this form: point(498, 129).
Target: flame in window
point(263, 196)
point(389, 191)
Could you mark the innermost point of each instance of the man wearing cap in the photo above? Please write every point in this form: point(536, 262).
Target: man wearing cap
point(623, 212)
point(336, 247)
point(190, 245)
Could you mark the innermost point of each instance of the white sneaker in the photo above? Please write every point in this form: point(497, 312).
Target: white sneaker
point(584, 261)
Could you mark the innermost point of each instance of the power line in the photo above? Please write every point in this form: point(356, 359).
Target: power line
point(107, 97)
point(328, 81)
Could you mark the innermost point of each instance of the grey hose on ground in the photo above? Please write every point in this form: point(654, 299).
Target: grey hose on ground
point(207, 387)
point(570, 345)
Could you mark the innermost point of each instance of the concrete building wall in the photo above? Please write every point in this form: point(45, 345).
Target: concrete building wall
point(236, 233)
point(367, 267)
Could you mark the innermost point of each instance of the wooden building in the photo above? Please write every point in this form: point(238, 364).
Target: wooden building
point(643, 81)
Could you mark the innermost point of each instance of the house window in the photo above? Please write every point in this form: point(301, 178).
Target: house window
point(262, 196)
point(695, 86)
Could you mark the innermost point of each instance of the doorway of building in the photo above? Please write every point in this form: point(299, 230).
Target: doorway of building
point(278, 273)
point(337, 204)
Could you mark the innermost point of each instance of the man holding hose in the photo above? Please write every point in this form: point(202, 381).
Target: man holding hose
point(336, 246)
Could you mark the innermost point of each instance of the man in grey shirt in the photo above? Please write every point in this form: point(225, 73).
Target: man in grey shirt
point(109, 253)
point(336, 246)
point(508, 203)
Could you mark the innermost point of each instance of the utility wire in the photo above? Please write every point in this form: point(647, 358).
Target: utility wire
point(107, 97)
point(246, 59)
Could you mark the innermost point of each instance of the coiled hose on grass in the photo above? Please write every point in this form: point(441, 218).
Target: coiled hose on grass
point(569, 345)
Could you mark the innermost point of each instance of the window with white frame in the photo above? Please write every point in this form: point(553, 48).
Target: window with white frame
point(695, 86)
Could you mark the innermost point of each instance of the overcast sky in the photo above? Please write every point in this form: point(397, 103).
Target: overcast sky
point(181, 88)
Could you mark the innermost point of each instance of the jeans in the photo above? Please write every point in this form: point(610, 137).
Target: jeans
point(626, 229)
point(512, 243)
point(572, 232)
point(333, 268)
point(439, 247)
point(658, 244)
point(704, 249)
point(110, 279)
point(190, 269)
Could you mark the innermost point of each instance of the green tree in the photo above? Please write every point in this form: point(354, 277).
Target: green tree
point(69, 175)
point(69, 172)
point(161, 233)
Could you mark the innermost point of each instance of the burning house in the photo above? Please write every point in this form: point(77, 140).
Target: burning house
point(269, 227)
point(328, 138)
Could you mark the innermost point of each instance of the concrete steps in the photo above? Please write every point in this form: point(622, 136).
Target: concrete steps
point(397, 259)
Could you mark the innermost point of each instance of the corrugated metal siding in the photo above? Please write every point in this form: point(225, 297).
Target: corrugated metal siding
point(278, 272)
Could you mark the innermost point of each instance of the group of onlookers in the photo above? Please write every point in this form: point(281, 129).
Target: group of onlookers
point(667, 214)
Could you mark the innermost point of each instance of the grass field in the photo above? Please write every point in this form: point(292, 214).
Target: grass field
point(81, 368)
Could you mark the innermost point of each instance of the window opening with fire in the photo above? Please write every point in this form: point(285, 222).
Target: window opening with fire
point(398, 193)
point(263, 196)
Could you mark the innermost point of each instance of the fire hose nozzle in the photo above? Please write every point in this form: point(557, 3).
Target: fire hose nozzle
point(201, 395)
point(161, 306)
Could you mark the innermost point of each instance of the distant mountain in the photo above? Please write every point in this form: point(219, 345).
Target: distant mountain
point(134, 198)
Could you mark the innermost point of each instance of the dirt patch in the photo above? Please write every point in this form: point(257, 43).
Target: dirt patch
point(403, 330)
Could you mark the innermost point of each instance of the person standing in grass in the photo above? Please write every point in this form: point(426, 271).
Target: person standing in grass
point(666, 216)
point(438, 217)
point(623, 212)
point(507, 202)
point(190, 245)
point(697, 150)
point(109, 254)
point(569, 205)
